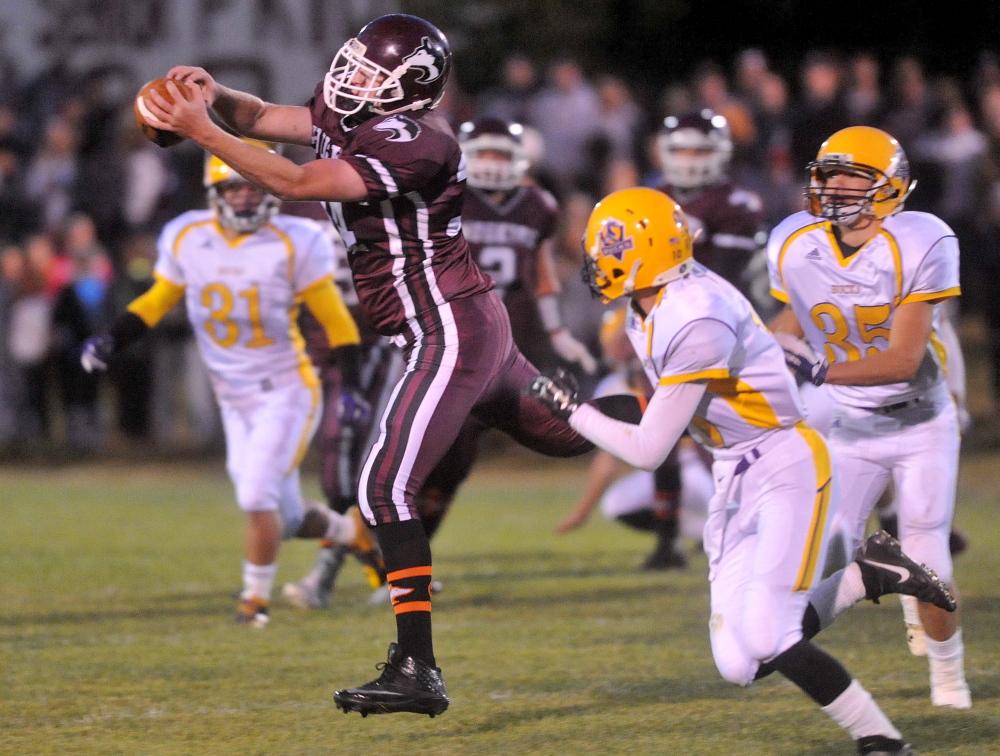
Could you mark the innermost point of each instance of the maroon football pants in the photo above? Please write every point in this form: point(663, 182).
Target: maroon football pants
point(460, 361)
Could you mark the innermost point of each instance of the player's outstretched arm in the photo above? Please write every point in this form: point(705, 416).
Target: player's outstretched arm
point(143, 313)
point(329, 180)
point(912, 325)
point(247, 114)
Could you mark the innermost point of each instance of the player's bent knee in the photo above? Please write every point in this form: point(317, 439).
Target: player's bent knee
point(739, 669)
point(931, 549)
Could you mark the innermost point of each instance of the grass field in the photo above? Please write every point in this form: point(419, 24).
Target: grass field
point(116, 633)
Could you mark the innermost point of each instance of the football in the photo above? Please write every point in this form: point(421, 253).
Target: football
point(155, 135)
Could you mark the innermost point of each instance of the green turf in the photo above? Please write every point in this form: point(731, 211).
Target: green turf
point(116, 633)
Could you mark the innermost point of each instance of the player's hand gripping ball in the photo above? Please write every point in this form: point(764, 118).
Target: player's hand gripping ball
point(158, 136)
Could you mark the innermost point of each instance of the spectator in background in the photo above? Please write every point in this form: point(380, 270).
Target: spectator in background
point(53, 172)
point(619, 121)
point(30, 337)
point(510, 99)
point(751, 73)
point(12, 266)
point(147, 182)
point(864, 100)
point(19, 213)
point(912, 108)
point(81, 310)
point(820, 110)
point(773, 128)
point(565, 112)
point(958, 151)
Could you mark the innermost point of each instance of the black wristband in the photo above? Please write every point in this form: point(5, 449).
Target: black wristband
point(126, 330)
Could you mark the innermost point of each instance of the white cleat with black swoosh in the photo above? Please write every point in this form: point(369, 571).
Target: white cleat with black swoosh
point(886, 569)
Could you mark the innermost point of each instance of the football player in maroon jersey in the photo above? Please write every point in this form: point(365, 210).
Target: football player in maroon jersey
point(392, 177)
point(695, 151)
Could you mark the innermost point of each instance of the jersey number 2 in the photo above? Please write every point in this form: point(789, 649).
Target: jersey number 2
point(222, 329)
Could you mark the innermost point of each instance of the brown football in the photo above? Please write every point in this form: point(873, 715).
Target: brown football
point(155, 135)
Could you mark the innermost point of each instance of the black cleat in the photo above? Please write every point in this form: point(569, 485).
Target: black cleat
point(666, 556)
point(886, 569)
point(879, 745)
point(406, 684)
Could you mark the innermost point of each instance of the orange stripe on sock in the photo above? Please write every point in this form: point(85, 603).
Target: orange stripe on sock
point(408, 573)
point(412, 606)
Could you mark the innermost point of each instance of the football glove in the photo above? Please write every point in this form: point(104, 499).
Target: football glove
point(802, 360)
point(354, 409)
point(558, 393)
point(572, 350)
point(97, 350)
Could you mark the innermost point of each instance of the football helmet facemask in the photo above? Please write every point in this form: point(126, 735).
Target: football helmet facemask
point(508, 164)
point(636, 239)
point(246, 218)
point(695, 149)
point(859, 151)
point(395, 64)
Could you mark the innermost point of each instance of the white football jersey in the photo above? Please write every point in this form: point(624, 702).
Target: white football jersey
point(702, 328)
point(846, 306)
point(243, 298)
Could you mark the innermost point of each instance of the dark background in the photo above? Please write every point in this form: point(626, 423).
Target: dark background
point(652, 42)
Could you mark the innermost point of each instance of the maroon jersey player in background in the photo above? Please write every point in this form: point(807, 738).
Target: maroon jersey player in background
point(695, 151)
point(392, 177)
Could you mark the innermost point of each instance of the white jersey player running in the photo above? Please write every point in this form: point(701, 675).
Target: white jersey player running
point(243, 272)
point(861, 281)
point(719, 371)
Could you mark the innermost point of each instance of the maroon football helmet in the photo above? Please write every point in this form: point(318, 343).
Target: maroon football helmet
point(695, 149)
point(495, 152)
point(396, 63)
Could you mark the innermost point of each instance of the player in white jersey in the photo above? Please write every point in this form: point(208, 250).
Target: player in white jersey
point(244, 272)
point(861, 281)
point(717, 370)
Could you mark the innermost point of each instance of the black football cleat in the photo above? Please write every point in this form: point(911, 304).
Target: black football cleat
point(666, 556)
point(879, 745)
point(406, 684)
point(886, 569)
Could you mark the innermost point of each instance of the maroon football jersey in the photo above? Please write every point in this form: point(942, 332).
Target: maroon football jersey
point(405, 246)
point(731, 224)
point(504, 240)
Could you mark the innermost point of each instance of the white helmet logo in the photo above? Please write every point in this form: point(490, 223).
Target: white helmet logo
point(423, 58)
point(402, 128)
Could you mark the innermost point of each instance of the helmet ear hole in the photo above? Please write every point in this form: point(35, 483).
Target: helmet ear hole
point(617, 272)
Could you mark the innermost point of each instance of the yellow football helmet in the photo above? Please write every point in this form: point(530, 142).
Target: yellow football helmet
point(243, 220)
point(636, 239)
point(860, 151)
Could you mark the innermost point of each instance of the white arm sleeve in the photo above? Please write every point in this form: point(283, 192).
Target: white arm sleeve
point(645, 445)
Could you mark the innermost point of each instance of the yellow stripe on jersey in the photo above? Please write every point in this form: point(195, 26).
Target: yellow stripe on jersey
point(157, 301)
point(780, 296)
point(940, 351)
point(897, 261)
point(821, 505)
point(788, 243)
point(324, 301)
point(307, 431)
point(184, 231)
point(289, 247)
point(701, 375)
point(709, 432)
point(750, 404)
point(934, 296)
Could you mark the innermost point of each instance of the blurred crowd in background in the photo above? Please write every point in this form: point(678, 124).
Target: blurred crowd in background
point(83, 196)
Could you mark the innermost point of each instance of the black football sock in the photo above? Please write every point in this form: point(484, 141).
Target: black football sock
point(819, 675)
point(407, 554)
point(810, 629)
point(644, 519)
